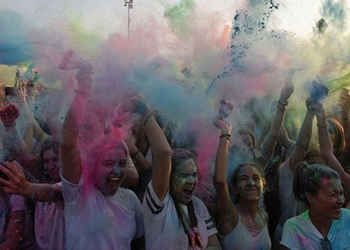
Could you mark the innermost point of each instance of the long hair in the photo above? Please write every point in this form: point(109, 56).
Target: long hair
point(339, 140)
point(194, 239)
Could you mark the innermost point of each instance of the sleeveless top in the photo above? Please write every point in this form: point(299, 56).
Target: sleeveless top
point(242, 237)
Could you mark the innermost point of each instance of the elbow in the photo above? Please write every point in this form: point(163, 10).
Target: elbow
point(219, 182)
point(163, 153)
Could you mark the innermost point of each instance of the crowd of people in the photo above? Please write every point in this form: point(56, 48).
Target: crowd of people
point(113, 178)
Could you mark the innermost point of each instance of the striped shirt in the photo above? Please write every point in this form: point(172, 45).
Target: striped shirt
point(163, 229)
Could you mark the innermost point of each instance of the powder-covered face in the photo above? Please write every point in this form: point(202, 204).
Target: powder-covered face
point(329, 200)
point(112, 170)
point(51, 164)
point(250, 184)
point(183, 181)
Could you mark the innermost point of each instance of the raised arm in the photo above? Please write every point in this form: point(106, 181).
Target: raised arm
point(326, 147)
point(269, 143)
point(14, 142)
point(344, 103)
point(228, 214)
point(303, 140)
point(71, 168)
point(161, 150)
point(285, 140)
point(16, 183)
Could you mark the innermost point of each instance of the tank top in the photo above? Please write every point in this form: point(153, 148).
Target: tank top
point(242, 237)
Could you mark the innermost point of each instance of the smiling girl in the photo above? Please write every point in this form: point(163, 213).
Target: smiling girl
point(243, 225)
point(98, 213)
point(325, 224)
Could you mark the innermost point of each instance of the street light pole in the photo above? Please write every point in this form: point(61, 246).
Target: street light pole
point(129, 4)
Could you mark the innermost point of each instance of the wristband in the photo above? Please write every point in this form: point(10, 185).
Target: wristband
point(145, 121)
point(227, 136)
point(282, 103)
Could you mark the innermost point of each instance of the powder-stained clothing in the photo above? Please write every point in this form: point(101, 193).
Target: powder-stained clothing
point(49, 225)
point(299, 233)
point(95, 221)
point(163, 229)
point(244, 238)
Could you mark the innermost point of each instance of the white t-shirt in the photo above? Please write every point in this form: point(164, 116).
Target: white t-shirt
point(163, 229)
point(299, 233)
point(49, 225)
point(95, 221)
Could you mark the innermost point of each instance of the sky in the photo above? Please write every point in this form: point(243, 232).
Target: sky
point(110, 16)
point(184, 55)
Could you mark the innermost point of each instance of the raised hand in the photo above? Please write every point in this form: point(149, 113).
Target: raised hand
point(8, 114)
point(13, 180)
point(288, 88)
point(137, 104)
point(222, 125)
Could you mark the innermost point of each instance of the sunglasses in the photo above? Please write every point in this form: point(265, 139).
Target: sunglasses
point(326, 244)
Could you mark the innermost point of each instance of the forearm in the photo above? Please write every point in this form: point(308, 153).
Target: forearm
point(15, 144)
point(221, 162)
point(161, 153)
point(140, 161)
point(325, 142)
point(302, 144)
point(69, 142)
point(304, 136)
point(38, 133)
point(131, 179)
point(43, 192)
point(158, 142)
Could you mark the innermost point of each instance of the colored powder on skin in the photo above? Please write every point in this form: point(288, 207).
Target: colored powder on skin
point(245, 61)
point(324, 181)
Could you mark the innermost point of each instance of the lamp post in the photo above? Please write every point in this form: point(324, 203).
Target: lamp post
point(129, 4)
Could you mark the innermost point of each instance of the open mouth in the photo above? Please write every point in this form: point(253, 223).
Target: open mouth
point(188, 191)
point(113, 181)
